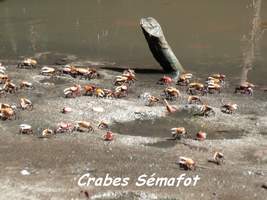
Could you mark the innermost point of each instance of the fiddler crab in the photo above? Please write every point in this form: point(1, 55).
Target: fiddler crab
point(25, 85)
point(229, 108)
point(165, 80)
point(121, 91)
point(64, 128)
point(220, 77)
point(46, 133)
point(99, 92)
point(127, 77)
point(108, 136)
point(3, 78)
point(25, 129)
point(26, 104)
point(48, 71)
point(66, 110)
point(201, 136)
point(213, 87)
point(171, 93)
point(83, 126)
point(89, 89)
point(152, 100)
point(196, 88)
point(187, 163)
point(103, 125)
point(245, 88)
point(206, 111)
point(217, 158)
point(184, 79)
point(10, 87)
point(86, 73)
point(27, 63)
point(72, 92)
point(178, 133)
point(194, 99)
point(170, 108)
point(7, 111)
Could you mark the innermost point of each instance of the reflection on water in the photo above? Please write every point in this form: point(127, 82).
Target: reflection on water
point(205, 34)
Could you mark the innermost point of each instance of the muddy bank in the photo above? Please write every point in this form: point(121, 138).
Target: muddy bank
point(55, 164)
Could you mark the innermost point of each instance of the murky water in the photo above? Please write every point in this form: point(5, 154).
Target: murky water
point(205, 35)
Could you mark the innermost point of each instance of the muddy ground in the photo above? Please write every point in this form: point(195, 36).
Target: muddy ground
point(141, 147)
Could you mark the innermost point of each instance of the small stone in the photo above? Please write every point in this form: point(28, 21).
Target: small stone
point(98, 109)
point(25, 172)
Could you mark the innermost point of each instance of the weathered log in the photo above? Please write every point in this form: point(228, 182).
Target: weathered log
point(159, 47)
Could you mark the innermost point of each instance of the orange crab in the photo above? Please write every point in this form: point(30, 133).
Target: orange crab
point(187, 163)
point(178, 133)
point(184, 79)
point(196, 88)
point(171, 93)
point(89, 89)
point(7, 113)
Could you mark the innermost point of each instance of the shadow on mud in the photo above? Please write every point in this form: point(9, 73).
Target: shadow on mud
point(161, 128)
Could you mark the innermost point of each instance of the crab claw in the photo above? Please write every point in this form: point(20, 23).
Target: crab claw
point(170, 108)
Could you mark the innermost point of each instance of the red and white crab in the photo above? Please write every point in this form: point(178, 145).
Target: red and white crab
point(73, 91)
point(64, 127)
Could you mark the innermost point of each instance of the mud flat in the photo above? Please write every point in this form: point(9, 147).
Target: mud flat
point(141, 146)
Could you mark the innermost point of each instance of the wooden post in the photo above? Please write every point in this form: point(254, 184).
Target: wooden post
point(159, 47)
